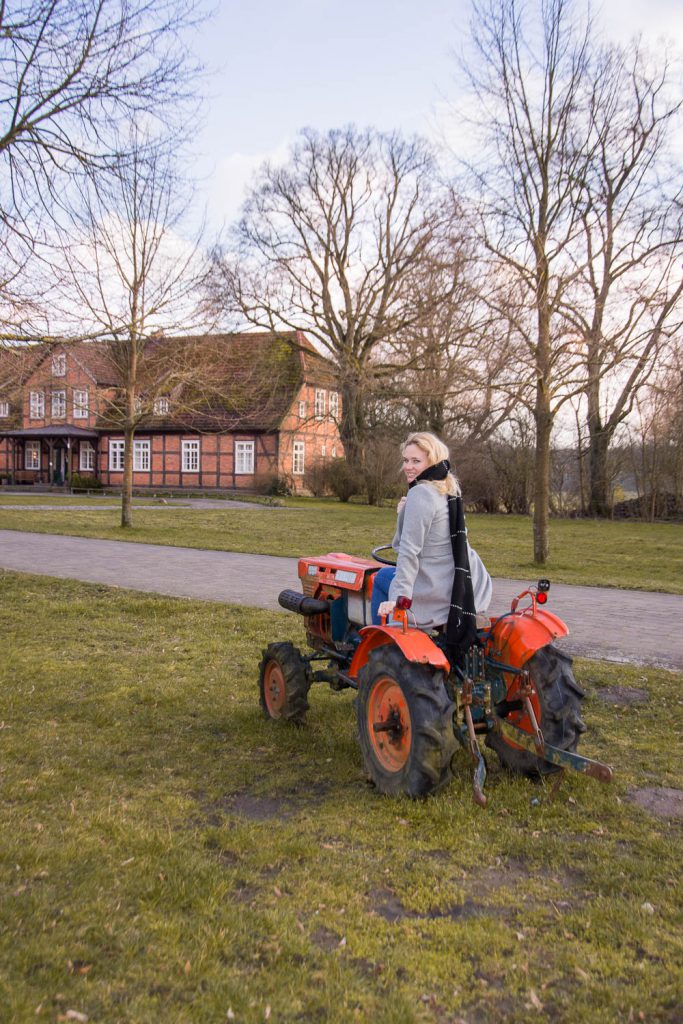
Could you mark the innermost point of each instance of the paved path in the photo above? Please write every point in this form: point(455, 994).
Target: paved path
point(58, 503)
point(617, 625)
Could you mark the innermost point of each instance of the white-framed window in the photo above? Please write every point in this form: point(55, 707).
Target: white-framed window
point(81, 406)
point(137, 405)
point(190, 456)
point(334, 451)
point(116, 450)
point(334, 405)
point(141, 456)
point(58, 405)
point(86, 460)
point(298, 457)
point(323, 451)
point(302, 410)
point(59, 365)
point(244, 456)
point(161, 406)
point(37, 405)
point(4, 410)
point(320, 397)
point(32, 455)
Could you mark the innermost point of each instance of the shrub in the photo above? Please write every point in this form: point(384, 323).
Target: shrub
point(274, 485)
point(381, 473)
point(341, 479)
point(317, 481)
point(84, 482)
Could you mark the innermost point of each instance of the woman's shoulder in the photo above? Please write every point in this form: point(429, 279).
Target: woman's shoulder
point(424, 496)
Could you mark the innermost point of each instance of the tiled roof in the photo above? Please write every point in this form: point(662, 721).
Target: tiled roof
point(244, 381)
point(17, 362)
point(97, 358)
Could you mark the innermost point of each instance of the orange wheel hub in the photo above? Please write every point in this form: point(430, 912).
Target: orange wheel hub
point(389, 725)
point(274, 688)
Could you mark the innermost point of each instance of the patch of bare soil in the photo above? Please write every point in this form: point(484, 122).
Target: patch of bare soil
point(386, 904)
point(513, 873)
point(624, 696)
point(325, 939)
point(261, 807)
point(662, 801)
point(245, 893)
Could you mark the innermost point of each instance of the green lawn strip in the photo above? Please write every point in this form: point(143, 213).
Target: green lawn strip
point(634, 555)
point(58, 501)
point(168, 854)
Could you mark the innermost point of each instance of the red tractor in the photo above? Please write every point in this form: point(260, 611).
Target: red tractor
point(416, 701)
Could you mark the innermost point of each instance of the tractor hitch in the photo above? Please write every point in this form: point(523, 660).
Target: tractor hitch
point(472, 744)
point(562, 758)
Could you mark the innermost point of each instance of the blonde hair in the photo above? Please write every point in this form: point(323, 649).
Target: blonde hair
point(436, 451)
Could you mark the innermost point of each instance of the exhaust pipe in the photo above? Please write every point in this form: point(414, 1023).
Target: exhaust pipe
point(294, 601)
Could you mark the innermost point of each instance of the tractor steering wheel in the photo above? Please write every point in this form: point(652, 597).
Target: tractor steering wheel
point(379, 558)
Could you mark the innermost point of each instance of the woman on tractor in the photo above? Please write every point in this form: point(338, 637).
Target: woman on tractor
point(438, 575)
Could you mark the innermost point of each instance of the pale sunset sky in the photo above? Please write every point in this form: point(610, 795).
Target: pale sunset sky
point(281, 65)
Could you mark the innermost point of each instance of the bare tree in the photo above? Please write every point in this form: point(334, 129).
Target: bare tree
point(655, 436)
point(134, 277)
point(330, 242)
point(459, 375)
point(71, 73)
point(629, 286)
point(528, 78)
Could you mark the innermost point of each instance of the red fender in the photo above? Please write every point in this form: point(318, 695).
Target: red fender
point(513, 639)
point(413, 644)
point(516, 636)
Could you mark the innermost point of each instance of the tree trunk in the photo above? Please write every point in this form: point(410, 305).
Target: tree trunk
point(543, 416)
point(127, 486)
point(599, 438)
point(352, 425)
point(600, 503)
point(544, 421)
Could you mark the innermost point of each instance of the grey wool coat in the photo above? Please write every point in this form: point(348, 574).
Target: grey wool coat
point(425, 567)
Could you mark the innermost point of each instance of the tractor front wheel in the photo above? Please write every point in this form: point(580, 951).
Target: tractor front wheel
point(284, 682)
point(559, 697)
point(405, 724)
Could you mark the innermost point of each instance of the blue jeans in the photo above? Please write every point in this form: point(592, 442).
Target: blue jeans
point(380, 590)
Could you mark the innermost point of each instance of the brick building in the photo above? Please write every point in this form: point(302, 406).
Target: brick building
point(242, 409)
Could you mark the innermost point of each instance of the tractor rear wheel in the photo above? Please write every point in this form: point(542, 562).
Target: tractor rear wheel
point(559, 696)
point(405, 724)
point(284, 682)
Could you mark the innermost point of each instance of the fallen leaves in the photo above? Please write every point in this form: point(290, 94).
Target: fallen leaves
point(78, 967)
point(535, 1001)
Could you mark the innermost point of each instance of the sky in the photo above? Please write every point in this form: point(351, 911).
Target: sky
point(277, 66)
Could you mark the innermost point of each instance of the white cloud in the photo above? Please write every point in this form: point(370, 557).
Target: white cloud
point(234, 173)
point(621, 20)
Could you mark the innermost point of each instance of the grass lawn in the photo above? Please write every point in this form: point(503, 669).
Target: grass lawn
point(57, 500)
point(636, 555)
point(169, 855)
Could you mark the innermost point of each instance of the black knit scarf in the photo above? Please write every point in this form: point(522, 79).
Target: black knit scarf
point(461, 628)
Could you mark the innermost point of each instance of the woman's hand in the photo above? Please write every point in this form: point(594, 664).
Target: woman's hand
point(386, 608)
point(401, 503)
